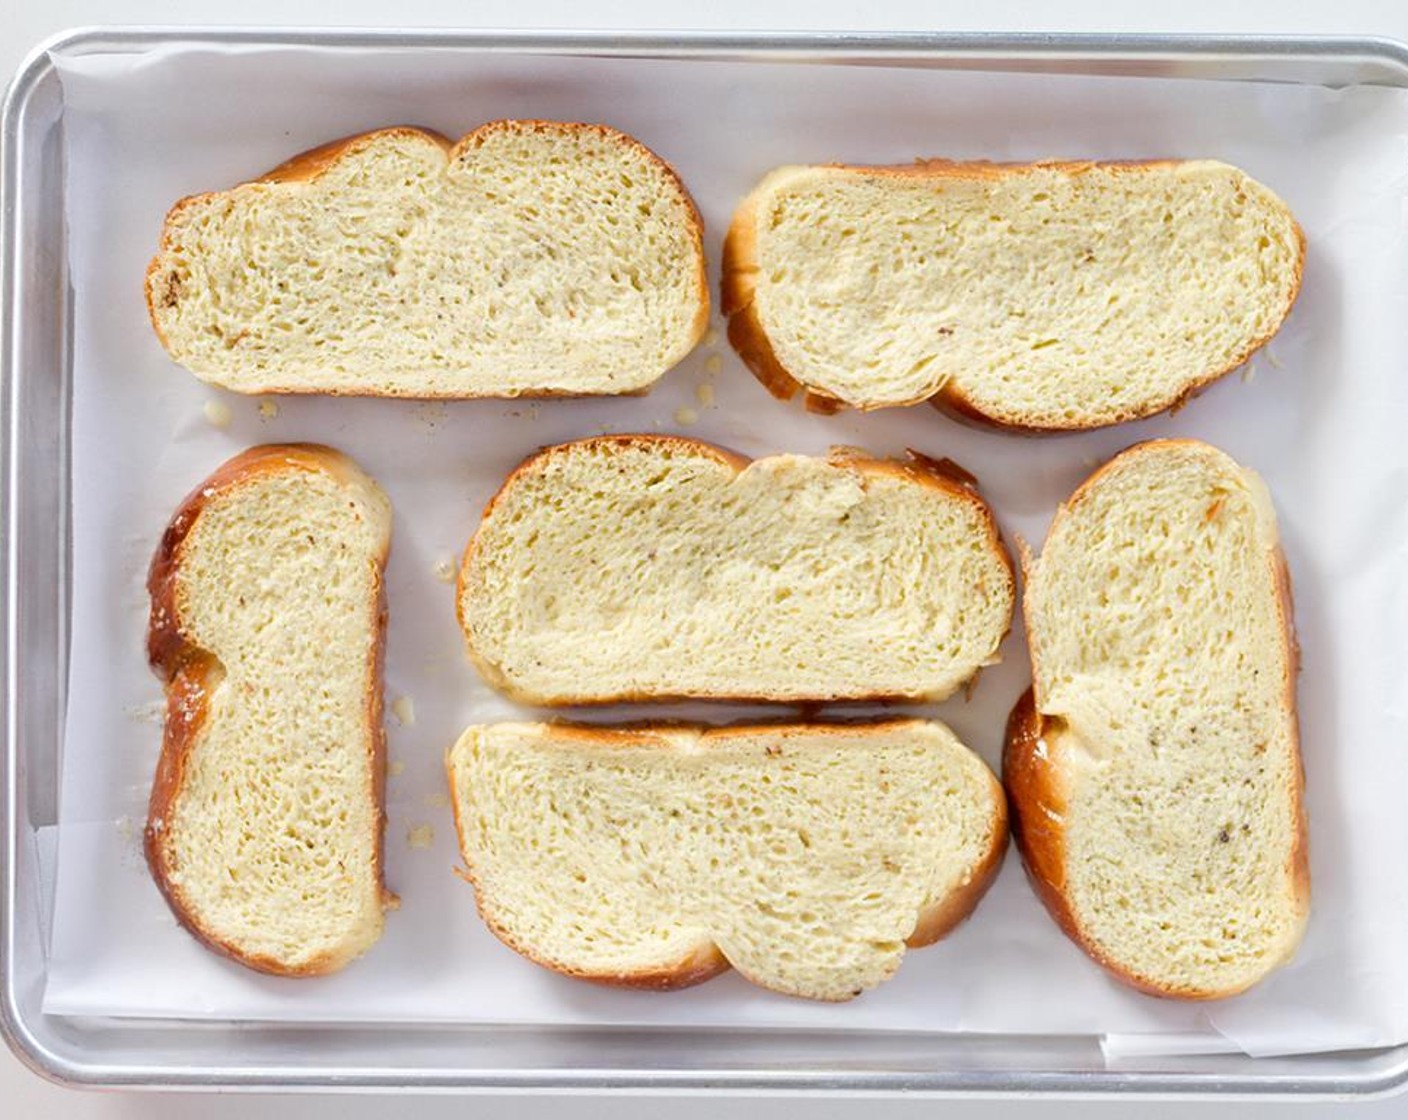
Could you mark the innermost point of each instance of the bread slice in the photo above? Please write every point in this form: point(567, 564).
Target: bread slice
point(1031, 296)
point(267, 624)
point(648, 567)
point(531, 258)
point(807, 856)
point(1155, 774)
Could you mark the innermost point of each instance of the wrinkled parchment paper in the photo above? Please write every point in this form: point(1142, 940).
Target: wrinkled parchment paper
point(1320, 414)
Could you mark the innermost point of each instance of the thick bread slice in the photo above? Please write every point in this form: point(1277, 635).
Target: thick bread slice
point(1155, 776)
point(531, 258)
point(806, 856)
point(649, 567)
point(1031, 296)
point(267, 624)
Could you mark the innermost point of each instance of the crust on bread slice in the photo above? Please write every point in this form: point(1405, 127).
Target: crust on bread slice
point(265, 825)
point(1034, 297)
point(530, 258)
point(641, 567)
point(807, 856)
point(1154, 770)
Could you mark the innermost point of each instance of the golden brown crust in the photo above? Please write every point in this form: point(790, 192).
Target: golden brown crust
point(947, 477)
point(376, 720)
point(945, 468)
point(1036, 785)
point(749, 337)
point(1037, 799)
point(707, 960)
point(1035, 788)
point(616, 136)
point(740, 280)
point(302, 168)
point(956, 407)
point(938, 474)
point(310, 165)
point(1298, 862)
point(940, 919)
point(746, 333)
point(692, 970)
point(191, 674)
point(535, 462)
point(171, 290)
point(704, 963)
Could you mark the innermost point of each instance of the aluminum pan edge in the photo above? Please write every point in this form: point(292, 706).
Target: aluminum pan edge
point(1326, 60)
point(1310, 60)
point(16, 1030)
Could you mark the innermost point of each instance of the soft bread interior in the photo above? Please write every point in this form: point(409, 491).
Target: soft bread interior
point(1164, 674)
point(533, 257)
point(270, 843)
point(649, 567)
point(1038, 296)
point(808, 855)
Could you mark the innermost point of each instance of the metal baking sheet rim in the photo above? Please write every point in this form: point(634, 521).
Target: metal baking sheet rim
point(141, 1056)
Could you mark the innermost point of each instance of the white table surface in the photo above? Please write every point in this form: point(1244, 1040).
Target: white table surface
point(24, 1096)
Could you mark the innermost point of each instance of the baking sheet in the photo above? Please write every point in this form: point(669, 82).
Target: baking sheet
point(1319, 415)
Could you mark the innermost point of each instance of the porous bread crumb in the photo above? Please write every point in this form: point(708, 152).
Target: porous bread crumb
point(217, 413)
point(534, 256)
point(404, 709)
point(1045, 297)
point(786, 578)
point(267, 841)
point(421, 836)
point(808, 856)
point(704, 394)
point(685, 416)
point(1165, 676)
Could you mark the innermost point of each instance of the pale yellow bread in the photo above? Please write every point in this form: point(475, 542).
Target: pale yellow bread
point(530, 258)
point(1155, 774)
point(806, 856)
point(267, 626)
point(1036, 297)
point(647, 567)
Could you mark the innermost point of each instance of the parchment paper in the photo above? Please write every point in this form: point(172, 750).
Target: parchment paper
point(1320, 414)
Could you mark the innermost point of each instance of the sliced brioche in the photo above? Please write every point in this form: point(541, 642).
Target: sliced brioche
point(806, 856)
point(1155, 774)
point(1037, 296)
point(648, 567)
point(267, 624)
point(530, 258)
